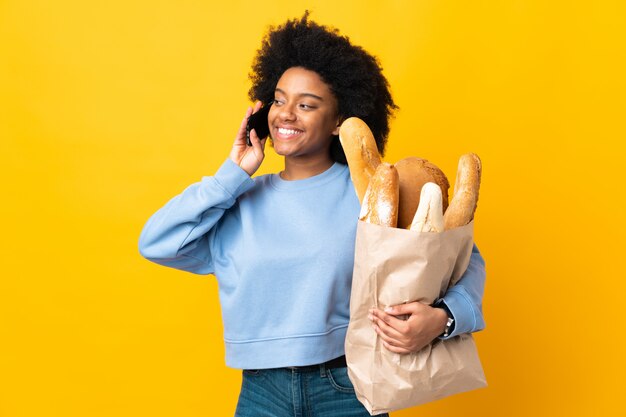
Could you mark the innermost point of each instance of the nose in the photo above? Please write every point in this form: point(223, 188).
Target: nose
point(286, 113)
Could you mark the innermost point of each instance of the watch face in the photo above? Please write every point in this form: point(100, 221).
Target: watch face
point(446, 332)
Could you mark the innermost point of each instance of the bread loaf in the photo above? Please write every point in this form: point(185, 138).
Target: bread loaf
point(466, 187)
point(361, 152)
point(380, 203)
point(429, 214)
point(414, 173)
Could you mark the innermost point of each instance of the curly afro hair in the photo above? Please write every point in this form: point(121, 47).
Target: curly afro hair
point(353, 75)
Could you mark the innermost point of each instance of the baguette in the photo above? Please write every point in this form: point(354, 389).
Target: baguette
point(466, 187)
point(414, 173)
point(429, 214)
point(380, 203)
point(361, 152)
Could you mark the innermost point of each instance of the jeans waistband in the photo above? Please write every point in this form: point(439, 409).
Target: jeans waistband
point(339, 362)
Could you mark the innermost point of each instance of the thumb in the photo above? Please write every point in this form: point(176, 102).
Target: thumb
point(258, 148)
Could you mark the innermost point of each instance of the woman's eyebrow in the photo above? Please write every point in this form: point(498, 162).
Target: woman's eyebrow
point(301, 94)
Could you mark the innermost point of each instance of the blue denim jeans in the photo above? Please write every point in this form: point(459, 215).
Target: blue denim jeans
point(292, 392)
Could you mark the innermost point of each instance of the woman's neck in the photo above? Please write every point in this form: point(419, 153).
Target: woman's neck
point(300, 169)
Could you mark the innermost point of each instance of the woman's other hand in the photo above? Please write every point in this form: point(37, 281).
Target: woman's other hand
point(249, 158)
point(423, 325)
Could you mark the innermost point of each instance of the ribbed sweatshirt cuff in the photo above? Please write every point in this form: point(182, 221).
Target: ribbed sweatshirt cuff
point(462, 312)
point(233, 179)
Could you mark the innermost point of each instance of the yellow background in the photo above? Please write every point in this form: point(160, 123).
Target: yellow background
point(110, 108)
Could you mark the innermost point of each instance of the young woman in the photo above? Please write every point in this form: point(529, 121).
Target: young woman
point(282, 245)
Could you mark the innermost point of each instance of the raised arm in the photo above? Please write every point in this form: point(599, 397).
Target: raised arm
point(178, 234)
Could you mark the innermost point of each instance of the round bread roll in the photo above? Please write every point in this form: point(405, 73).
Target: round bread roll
point(414, 173)
point(380, 203)
point(361, 152)
point(466, 187)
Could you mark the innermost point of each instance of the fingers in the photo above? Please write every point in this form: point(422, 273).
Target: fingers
point(391, 343)
point(386, 337)
point(405, 336)
point(241, 133)
point(394, 332)
point(402, 309)
point(384, 324)
point(258, 145)
point(388, 319)
point(395, 349)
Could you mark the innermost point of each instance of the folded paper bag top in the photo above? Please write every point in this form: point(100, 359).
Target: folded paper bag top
point(393, 266)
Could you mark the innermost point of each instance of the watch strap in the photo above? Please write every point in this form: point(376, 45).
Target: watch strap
point(450, 323)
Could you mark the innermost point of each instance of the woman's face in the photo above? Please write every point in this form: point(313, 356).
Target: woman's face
point(304, 115)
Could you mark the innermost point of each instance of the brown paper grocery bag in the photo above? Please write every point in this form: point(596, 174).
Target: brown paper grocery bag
point(393, 266)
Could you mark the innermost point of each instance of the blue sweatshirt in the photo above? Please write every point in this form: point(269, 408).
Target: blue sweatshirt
point(283, 253)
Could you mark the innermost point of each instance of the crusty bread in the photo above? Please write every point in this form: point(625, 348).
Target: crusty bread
point(380, 203)
point(361, 152)
point(429, 214)
point(466, 187)
point(414, 173)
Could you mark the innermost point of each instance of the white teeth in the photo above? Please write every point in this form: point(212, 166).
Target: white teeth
point(284, 131)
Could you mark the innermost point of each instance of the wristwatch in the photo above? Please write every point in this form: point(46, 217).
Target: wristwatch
point(450, 323)
point(448, 329)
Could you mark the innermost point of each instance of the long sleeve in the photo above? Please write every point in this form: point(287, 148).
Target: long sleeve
point(464, 300)
point(177, 235)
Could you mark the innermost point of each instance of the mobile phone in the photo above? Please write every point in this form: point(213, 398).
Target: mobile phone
point(258, 122)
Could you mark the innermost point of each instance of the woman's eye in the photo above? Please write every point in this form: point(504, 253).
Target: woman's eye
point(276, 102)
point(306, 107)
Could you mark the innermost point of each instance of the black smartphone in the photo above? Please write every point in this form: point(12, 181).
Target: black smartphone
point(258, 122)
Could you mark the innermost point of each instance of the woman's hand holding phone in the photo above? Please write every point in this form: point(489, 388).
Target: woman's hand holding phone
point(249, 158)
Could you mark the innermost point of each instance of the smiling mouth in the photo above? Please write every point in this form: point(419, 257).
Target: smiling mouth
point(288, 132)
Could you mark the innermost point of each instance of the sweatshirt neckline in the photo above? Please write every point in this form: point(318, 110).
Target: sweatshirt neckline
point(314, 181)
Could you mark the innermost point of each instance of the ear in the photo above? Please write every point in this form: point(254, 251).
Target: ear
point(339, 122)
